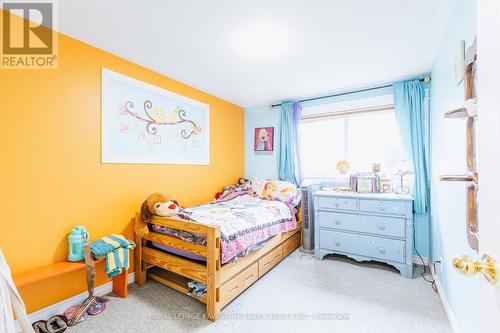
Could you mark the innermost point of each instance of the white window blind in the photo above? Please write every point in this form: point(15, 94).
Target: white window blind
point(363, 137)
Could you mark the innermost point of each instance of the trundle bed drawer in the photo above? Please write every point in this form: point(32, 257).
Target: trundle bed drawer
point(239, 283)
point(291, 244)
point(269, 260)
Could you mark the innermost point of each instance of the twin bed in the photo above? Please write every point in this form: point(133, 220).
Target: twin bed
point(227, 244)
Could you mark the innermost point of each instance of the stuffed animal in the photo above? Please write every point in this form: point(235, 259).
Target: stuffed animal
point(158, 204)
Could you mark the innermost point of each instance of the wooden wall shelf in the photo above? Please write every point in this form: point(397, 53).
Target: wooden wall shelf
point(457, 113)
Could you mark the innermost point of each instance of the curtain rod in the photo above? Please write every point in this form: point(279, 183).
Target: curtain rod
point(424, 79)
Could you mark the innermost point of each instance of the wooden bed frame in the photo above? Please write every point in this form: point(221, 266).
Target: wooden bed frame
point(224, 282)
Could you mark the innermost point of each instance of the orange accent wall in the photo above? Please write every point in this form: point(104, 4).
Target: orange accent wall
point(51, 175)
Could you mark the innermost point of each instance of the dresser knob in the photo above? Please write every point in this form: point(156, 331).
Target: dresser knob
point(337, 243)
point(381, 227)
point(381, 250)
point(337, 222)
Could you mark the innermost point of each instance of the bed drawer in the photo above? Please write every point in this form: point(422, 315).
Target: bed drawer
point(378, 225)
point(367, 246)
point(384, 207)
point(291, 244)
point(269, 260)
point(237, 284)
point(337, 203)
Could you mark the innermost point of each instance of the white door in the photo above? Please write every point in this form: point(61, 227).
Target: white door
point(488, 154)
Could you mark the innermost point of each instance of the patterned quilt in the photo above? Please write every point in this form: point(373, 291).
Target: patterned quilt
point(244, 221)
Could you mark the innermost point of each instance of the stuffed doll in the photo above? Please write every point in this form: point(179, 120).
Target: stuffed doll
point(158, 204)
point(240, 186)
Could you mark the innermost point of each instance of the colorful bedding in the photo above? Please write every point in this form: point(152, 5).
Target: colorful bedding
point(245, 222)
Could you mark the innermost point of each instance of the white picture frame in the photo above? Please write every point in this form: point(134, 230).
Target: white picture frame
point(145, 124)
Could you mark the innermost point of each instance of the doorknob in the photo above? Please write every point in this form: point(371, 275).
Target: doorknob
point(469, 266)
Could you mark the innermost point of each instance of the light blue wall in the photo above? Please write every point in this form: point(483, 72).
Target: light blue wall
point(448, 200)
point(264, 165)
point(261, 164)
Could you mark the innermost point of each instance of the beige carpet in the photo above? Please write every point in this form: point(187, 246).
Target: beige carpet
point(346, 297)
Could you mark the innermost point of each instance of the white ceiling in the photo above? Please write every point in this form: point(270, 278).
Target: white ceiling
point(254, 52)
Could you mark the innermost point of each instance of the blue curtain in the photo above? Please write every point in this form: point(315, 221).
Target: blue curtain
point(409, 108)
point(288, 159)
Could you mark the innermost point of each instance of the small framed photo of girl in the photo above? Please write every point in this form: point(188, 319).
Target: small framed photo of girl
point(264, 139)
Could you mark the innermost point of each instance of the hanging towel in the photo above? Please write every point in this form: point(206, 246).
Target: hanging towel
point(115, 249)
point(10, 299)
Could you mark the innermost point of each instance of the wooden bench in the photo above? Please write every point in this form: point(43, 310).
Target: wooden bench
point(120, 282)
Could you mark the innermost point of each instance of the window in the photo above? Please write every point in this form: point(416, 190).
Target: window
point(362, 138)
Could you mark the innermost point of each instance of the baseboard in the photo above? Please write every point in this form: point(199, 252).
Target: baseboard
point(60, 307)
point(416, 260)
point(449, 313)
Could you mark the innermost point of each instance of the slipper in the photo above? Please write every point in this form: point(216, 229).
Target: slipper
point(98, 307)
point(56, 324)
point(40, 326)
point(69, 312)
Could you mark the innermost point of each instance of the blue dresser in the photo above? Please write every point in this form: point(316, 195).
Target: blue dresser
point(365, 226)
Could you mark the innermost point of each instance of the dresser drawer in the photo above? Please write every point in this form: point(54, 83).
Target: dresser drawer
point(379, 225)
point(367, 246)
point(269, 260)
point(337, 203)
point(239, 283)
point(384, 206)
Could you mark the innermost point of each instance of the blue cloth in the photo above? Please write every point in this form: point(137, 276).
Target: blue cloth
point(409, 108)
point(115, 249)
point(288, 159)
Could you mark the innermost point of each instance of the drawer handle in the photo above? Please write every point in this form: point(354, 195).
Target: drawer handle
point(336, 204)
point(381, 250)
point(337, 243)
point(381, 227)
point(337, 222)
point(382, 208)
point(233, 290)
point(248, 277)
